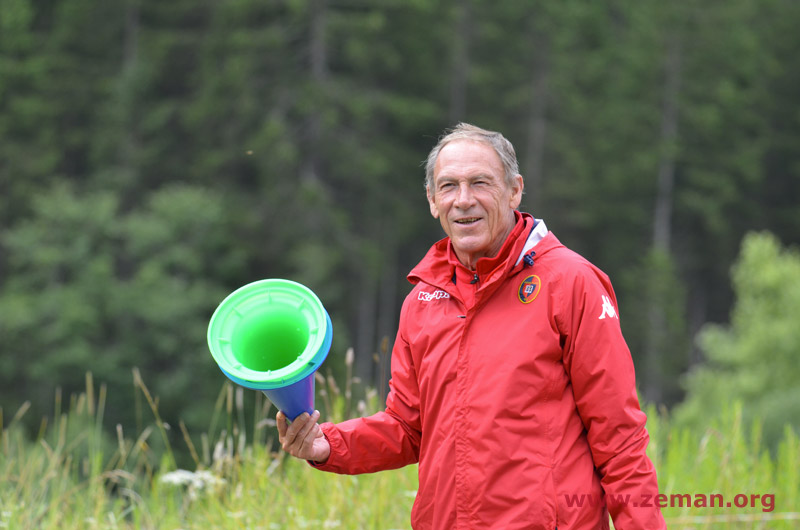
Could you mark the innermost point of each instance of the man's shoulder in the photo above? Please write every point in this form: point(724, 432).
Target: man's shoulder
point(564, 265)
point(561, 257)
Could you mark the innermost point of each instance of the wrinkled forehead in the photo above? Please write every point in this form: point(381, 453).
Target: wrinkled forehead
point(465, 158)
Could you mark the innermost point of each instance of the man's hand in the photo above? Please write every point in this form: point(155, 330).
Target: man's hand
point(303, 438)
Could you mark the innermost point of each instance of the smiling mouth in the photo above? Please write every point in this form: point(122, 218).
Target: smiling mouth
point(468, 220)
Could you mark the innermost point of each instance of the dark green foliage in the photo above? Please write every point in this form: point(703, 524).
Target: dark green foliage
point(95, 289)
point(154, 156)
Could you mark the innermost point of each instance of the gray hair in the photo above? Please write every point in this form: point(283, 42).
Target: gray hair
point(465, 131)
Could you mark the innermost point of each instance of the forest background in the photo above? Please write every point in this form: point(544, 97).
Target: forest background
point(155, 156)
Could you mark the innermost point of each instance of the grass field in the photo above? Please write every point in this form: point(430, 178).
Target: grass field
point(73, 475)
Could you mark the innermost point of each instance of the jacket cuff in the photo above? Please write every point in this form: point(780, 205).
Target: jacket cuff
point(337, 448)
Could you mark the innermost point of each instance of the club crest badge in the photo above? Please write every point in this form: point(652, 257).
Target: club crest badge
point(529, 289)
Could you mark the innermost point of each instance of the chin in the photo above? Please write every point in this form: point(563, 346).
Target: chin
point(467, 248)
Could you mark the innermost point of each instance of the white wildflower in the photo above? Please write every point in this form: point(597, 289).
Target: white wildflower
point(349, 357)
point(195, 482)
point(181, 477)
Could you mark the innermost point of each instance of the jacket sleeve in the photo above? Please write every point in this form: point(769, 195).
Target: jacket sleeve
point(601, 371)
point(387, 440)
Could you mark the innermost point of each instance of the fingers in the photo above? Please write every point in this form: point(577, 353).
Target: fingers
point(280, 421)
point(297, 438)
point(303, 435)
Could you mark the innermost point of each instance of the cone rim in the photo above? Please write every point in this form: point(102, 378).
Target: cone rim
point(222, 321)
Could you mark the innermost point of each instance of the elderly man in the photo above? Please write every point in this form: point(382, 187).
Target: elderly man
point(512, 385)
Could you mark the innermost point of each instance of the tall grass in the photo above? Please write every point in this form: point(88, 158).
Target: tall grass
point(74, 475)
point(727, 459)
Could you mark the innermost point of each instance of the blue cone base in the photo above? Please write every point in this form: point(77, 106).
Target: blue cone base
point(295, 399)
point(292, 400)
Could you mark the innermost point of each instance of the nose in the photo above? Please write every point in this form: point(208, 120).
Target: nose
point(464, 197)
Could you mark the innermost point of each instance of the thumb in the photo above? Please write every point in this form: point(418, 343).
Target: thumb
point(280, 422)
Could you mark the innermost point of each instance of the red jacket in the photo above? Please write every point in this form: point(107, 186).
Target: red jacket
point(515, 393)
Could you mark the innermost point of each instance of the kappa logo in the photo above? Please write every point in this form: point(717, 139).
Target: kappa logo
point(608, 309)
point(529, 289)
point(435, 295)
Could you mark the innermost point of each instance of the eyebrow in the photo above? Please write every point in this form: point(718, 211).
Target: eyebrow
point(472, 178)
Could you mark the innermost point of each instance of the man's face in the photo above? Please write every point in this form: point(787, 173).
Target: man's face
point(471, 199)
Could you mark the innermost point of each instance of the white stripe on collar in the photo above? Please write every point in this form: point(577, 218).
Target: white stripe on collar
point(536, 235)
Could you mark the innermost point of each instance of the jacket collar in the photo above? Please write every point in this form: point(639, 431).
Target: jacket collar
point(436, 268)
point(536, 235)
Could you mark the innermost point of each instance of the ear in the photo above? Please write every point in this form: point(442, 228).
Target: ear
point(516, 192)
point(432, 203)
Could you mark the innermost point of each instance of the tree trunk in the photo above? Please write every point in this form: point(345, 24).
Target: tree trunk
point(318, 64)
point(387, 319)
point(130, 57)
point(537, 119)
point(662, 217)
point(130, 52)
point(460, 73)
point(657, 336)
point(365, 341)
